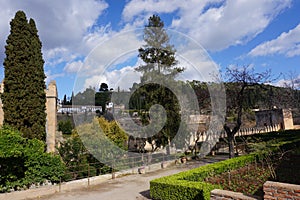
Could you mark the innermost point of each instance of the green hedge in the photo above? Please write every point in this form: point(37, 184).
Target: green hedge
point(170, 189)
point(190, 184)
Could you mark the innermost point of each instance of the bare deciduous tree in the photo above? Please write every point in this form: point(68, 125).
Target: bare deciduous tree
point(292, 83)
point(245, 77)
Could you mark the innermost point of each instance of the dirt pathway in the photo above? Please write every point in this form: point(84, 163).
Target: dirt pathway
point(128, 187)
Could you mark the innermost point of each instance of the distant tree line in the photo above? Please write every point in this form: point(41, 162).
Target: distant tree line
point(260, 96)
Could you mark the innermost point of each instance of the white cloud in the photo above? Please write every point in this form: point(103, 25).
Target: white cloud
point(140, 7)
point(295, 84)
point(288, 44)
point(73, 67)
point(57, 56)
point(114, 50)
point(62, 25)
point(110, 62)
point(123, 78)
point(216, 24)
point(102, 63)
point(50, 76)
point(197, 63)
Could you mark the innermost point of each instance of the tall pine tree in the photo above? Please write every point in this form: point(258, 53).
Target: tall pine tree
point(24, 95)
point(160, 66)
point(157, 53)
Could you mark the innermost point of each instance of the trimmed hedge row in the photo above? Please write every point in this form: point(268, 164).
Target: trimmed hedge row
point(172, 189)
point(190, 184)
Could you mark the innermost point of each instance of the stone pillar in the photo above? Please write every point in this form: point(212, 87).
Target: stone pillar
point(1, 113)
point(1, 105)
point(51, 110)
point(287, 119)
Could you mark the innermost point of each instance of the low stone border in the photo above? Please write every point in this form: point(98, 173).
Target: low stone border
point(218, 194)
point(276, 190)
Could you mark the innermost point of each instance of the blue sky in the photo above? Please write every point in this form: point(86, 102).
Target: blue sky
point(264, 34)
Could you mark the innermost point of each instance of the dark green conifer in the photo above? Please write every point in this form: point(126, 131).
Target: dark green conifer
point(24, 95)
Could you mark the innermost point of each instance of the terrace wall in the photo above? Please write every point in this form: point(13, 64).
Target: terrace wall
point(276, 190)
point(272, 191)
point(218, 194)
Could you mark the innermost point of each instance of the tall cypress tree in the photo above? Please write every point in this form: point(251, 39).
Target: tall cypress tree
point(24, 95)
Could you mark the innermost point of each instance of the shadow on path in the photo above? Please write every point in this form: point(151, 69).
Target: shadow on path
point(146, 194)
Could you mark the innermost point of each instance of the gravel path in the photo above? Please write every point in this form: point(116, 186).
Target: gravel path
point(128, 187)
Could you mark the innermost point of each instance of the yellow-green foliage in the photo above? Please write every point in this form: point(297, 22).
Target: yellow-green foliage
point(113, 132)
point(102, 139)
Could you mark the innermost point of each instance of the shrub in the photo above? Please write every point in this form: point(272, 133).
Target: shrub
point(24, 162)
point(65, 126)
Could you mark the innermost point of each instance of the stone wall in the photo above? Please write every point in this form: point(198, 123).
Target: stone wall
point(272, 191)
point(272, 117)
point(227, 195)
point(275, 190)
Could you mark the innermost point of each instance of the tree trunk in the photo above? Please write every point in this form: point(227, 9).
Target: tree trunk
point(231, 145)
point(230, 135)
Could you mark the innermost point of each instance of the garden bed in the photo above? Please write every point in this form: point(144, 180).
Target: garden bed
point(249, 180)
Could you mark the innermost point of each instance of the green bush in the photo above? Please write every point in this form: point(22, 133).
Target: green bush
point(24, 162)
point(172, 189)
point(65, 126)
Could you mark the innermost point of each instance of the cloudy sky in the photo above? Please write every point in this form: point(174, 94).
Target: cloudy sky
point(264, 34)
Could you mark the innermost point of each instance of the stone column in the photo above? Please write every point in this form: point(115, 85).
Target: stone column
point(51, 110)
point(1, 105)
point(287, 119)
